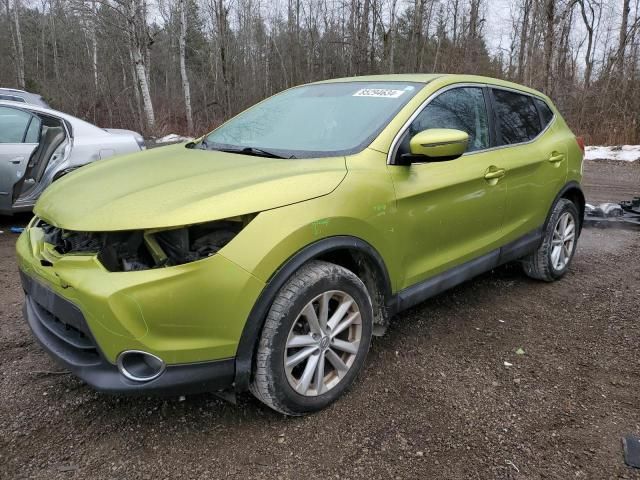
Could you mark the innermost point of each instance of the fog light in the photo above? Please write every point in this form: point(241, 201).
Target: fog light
point(140, 366)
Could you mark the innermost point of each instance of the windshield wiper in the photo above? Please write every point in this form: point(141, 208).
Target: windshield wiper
point(258, 152)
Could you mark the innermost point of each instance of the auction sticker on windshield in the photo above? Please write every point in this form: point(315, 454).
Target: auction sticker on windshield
point(378, 92)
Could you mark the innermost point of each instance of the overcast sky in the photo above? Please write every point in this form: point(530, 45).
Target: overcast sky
point(498, 23)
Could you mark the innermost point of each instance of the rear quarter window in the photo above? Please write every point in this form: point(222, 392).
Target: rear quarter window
point(546, 114)
point(517, 117)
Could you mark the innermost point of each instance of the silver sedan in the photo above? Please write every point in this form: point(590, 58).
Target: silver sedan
point(39, 145)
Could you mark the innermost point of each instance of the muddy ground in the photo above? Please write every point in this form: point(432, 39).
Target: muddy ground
point(435, 400)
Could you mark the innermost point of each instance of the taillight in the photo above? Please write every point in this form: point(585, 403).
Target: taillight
point(580, 142)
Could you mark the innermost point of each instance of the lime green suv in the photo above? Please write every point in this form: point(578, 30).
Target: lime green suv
point(264, 255)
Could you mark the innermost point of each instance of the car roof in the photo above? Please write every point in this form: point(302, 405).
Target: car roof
point(442, 78)
point(15, 90)
point(28, 97)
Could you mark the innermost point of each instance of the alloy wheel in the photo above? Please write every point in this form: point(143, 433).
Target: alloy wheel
point(562, 242)
point(323, 343)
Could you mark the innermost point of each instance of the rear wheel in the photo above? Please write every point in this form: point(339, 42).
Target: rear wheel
point(315, 339)
point(551, 260)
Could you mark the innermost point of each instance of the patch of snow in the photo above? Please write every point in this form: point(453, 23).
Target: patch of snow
point(173, 138)
point(627, 153)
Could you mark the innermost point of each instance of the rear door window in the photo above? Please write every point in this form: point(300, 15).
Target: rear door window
point(517, 116)
point(13, 125)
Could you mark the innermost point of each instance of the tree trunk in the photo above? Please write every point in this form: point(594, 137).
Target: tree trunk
point(588, 61)
point(550, 13)
point(526, 10)
point(19, 47)
point(182, 41)
point(54, 40)
point(138, 62)
point(622, 39)
point(94, 45)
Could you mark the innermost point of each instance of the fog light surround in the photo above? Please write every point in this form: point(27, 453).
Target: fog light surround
point(140, 366)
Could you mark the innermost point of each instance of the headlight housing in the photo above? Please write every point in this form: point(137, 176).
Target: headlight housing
point(146, 249)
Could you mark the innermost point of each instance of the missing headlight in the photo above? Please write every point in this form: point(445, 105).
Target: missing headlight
point(145, 249)
point(193, 243)
point(65, 241)
point(164, 248)
point(126, 251)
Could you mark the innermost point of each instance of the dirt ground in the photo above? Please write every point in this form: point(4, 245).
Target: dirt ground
point(435, 400)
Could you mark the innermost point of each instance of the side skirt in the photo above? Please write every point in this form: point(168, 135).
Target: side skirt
point(420, 292)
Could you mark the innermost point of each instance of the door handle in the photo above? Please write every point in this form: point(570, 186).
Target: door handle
point(493, 174)
point(16, 160)
point(556, 157)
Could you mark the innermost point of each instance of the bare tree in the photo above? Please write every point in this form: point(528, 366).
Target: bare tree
point(588, 17)
point(187, 65)
point(18, 44)
point(182, 41)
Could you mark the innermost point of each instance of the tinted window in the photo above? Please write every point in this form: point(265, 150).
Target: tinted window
point(517, 116)
point(460, 108)
point(316, 120)
point(545, 112)
point(13, 124)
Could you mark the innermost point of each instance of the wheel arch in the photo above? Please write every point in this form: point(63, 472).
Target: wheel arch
point(349, 252)
point(571, 191)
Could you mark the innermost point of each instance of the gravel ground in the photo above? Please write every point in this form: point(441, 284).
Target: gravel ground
point(435, 400)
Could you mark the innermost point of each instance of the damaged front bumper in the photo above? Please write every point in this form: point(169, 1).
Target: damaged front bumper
point(190, 316)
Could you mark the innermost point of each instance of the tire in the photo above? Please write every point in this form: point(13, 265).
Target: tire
point(290, 333)
point(551, 260)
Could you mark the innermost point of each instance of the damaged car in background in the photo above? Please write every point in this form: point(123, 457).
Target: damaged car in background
point(38, 145)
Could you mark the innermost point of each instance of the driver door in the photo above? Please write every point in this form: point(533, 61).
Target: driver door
point(450, 211)
point(19, 134)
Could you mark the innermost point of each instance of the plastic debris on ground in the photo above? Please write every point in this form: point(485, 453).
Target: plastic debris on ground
point(625, 214)
point(631, 448)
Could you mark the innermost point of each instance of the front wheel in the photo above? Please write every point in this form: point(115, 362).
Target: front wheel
point(552, 258)
point(315, 339)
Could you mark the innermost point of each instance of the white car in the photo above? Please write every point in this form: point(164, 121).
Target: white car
point(39, 145)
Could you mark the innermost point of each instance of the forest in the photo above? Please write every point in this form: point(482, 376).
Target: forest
point(184, 66)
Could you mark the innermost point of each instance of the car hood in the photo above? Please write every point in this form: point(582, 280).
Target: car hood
point(174, 186)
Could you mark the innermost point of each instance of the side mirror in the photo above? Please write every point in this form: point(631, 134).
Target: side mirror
point(438, 144)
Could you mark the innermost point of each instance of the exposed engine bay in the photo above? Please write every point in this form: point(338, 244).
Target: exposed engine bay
point(146, 249)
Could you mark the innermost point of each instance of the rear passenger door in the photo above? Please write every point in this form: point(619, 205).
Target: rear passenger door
point(534, 158)
point(19, 134)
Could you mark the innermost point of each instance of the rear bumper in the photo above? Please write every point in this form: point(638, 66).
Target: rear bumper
point(61, 329)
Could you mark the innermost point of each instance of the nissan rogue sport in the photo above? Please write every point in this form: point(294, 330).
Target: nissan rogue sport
point(264, 255)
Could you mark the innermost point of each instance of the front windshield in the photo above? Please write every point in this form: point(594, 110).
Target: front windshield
point(315, 120)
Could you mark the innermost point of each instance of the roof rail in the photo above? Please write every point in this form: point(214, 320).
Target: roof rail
point(13, 89)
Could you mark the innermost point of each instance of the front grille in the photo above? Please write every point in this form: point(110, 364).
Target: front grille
point(71, 335)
